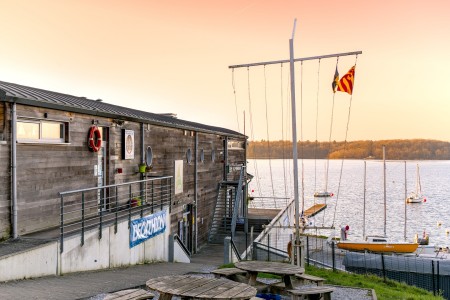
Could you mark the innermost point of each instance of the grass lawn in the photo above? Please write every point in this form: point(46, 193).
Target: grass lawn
point(389, 290)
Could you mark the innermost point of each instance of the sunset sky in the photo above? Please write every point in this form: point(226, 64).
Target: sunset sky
point(173, 56)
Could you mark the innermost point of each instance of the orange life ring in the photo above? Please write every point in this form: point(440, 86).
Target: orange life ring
point(94, 138)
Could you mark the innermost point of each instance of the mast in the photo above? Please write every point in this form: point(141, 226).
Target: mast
point(406, 195)
point(384, 186)
point(364, 203)
point(294, 143)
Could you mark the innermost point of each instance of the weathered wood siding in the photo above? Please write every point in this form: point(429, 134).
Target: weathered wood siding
point(45, 170)
point(5, 179)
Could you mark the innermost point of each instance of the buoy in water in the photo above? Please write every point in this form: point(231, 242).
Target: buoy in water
point(439, 223)
point(447, 231)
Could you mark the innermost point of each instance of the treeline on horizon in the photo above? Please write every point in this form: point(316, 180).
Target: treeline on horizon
point(415, 149)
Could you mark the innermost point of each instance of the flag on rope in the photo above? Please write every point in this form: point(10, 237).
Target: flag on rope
point(335, 80)
point(346, 82)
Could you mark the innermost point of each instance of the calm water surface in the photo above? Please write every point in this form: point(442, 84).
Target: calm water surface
point(275, 178)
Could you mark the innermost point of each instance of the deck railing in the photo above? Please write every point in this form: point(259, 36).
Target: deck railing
point(85, 209)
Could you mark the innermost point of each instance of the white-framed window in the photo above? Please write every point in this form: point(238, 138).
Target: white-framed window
point(42, 131)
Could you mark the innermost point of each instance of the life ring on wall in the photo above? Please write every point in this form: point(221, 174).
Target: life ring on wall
point(94, 139)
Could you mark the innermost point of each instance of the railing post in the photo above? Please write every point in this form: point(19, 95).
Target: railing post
point(117, 210)
point(170, 195)
point(100, 225)
point(438, 287)
point(383, 267)
point(129, 206)
point(268, 245)
point(82, 218)
point(333, 258)
point(161, 195)
point(61, 242)
point(307, 250)
point(153, 196)
point(432, 278)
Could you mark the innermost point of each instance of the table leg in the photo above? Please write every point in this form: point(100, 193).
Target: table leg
point(165, 296)
point(287, 282)
point(252, 278)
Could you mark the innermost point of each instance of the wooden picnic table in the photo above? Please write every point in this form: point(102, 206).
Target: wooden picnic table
point(253, 267)
point(188, 286)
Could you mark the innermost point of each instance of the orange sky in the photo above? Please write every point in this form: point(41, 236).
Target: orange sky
point(173, 56)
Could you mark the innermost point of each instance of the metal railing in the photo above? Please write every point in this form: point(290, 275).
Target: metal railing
point(85, 209)
point(182, 245)
point(237, 201)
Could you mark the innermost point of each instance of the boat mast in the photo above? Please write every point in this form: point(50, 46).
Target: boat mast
point(364, 204)
point(406, 195)
point(294, 144)
point(384, 186)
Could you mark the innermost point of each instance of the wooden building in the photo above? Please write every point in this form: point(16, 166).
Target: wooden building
point(44, 150)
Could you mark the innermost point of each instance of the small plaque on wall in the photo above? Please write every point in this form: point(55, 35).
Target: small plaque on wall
point(127, 144)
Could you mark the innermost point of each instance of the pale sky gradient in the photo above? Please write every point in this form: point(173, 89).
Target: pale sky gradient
point(173, 56)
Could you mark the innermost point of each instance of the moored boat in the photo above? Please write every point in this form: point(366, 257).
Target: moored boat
point(379, 245)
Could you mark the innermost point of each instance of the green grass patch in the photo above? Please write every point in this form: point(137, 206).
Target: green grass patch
point(385, 290)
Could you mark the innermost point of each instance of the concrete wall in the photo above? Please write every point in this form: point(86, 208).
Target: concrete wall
point(109, 252)
point(37, 262)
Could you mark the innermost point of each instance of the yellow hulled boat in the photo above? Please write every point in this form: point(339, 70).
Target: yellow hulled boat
point(379, 245)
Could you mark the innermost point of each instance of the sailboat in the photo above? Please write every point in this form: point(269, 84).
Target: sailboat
point(378, 244)
point(416, 197)
point(324, 192)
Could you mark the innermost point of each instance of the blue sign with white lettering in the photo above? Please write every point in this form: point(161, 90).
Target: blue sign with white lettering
point(147, 227)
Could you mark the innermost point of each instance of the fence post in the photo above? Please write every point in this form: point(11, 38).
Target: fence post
point(117, 211)
point(61, 242)
point(307, 250)
point(383, 268)
point(246, 244)
point(432, 278)
point(268, 244)
point(82, 218)
point(438, 277)
point(129, 206)
point(333, 256)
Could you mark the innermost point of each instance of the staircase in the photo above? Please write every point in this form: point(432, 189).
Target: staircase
point(228, 204)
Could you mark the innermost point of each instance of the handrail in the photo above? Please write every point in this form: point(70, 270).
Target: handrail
point(91, 207)
point(113, 185)
point(183, 246)
point(237, 202)
point(235, 250)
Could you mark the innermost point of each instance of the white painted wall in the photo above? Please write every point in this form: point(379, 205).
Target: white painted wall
point(93, 255)
point(111, 251)
point(179, 255)
point(37, 262)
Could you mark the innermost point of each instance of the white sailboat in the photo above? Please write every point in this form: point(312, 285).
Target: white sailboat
point(378, 244)
point(416, 197)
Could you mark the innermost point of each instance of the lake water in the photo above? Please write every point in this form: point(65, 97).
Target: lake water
point(274, 178)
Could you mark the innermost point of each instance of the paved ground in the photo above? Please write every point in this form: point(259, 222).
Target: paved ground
point(87, 284)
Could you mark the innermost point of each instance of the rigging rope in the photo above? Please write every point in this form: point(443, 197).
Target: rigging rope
point(258, 184)
point(317, 122)
point(268, 139)
point(235, 99)
point(283, 150)
point(345, 148)
point(301, 138)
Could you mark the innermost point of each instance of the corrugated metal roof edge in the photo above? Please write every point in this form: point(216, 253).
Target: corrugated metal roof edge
point(215, 130)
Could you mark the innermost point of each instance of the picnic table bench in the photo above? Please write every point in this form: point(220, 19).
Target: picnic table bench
point(130, 294)
point(234, 274)
point(305, 277)
point(312, 293)
point(282, 269)
point(188, 286)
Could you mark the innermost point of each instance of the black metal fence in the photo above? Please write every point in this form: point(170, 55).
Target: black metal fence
point(85, 209)
point(429, 273)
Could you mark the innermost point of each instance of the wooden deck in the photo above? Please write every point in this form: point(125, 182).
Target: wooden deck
point(314, 210)
point(263, 212)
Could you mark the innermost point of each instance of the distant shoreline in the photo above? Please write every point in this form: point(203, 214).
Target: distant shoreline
point(416, 149)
